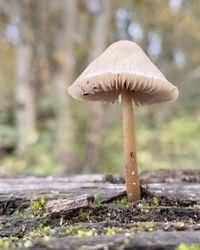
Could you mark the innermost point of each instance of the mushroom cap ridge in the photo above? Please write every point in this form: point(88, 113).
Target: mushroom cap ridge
point(123, 65)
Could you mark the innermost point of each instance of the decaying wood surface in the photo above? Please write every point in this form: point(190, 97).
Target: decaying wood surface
point(31, 187)
point(170, 205)
point(139, 241)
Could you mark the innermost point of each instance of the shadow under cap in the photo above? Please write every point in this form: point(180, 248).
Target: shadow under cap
point(123, 65)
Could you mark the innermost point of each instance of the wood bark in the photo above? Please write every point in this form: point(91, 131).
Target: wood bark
point(69, 205)
point(100, 34)
point(25, 108)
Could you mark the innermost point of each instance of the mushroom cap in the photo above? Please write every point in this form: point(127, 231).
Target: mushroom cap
point(123, 65)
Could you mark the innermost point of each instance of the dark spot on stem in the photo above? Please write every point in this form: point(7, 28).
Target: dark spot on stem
point(132, 155)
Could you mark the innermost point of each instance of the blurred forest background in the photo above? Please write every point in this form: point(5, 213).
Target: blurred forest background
point(45, 45)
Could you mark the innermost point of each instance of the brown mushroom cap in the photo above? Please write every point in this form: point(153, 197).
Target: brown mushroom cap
point(123, 65)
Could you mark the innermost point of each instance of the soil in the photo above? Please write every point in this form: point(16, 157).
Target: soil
point(92, 212)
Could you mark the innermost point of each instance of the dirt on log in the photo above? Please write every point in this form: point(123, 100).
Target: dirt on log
point(92, 212)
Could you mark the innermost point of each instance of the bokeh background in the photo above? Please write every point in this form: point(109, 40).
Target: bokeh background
point(45, 45)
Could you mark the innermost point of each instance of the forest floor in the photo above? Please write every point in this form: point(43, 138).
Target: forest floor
point(91, 212)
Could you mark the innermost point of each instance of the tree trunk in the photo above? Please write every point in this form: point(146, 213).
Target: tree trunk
point(100, 35)
point(25, 109)
point(62, 76)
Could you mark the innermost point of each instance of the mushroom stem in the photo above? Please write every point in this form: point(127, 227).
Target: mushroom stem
point(131, 172)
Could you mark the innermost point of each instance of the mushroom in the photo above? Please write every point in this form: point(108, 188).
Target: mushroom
point(124, 73)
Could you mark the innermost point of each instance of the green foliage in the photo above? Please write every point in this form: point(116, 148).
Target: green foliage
point(8, 136)
point(37, 161)
point(111, 153)
point(41, 161)
point(185, 130)
point(175, 143)
point(188, 247)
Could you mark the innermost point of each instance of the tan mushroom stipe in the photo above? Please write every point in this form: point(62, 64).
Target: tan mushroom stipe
point(123, 69)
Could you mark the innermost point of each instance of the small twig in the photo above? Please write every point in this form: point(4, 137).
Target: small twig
point(70, 204)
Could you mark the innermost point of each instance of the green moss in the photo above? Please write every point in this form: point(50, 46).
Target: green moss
point(144, 210)
point(198, 207)
point(127, 241)
point(111, 231)
point(46, 238)
point(61, 222)
point(38, 205)
point(39, 232)
point(16, 212)
point(69, 231)
point(179, 225)
point(144, 226)
point(46, 229)
point(188, 247)
point(97, 200)
point(8, 224)
point(27, 244)
point(122, 201)
point(155, 201)
point(149, 226)
point(73, 230)
point(81, 233)
point(44, 216)
point(84, 216)
point(4, 243)
point(13, 238)
point(33, 234)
